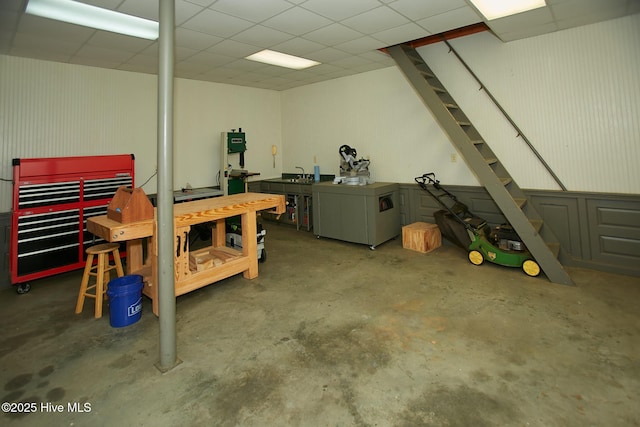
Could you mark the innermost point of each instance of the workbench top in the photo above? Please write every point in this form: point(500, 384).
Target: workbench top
point(188, 213)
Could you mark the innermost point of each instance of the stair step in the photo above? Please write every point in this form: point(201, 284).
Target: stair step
point(451, 106)
point(554, 247)
point(427, 74)
point(461, 123)
point(537, 224)
point(521, 202)
point(477, 141)
point(415, 59)
point(506, 181)
point(491, 161)
point(438, 89)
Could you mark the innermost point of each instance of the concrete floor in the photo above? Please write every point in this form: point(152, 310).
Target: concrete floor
point(333, 334)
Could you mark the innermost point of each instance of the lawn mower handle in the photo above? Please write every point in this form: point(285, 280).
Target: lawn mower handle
point(428, 177)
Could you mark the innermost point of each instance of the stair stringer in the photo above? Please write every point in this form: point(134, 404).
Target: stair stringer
point(490, 172)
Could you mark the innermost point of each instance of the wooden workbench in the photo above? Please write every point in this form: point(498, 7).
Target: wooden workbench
point(187, 277)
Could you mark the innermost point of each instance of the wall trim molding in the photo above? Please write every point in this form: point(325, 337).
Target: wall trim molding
point(600, 231)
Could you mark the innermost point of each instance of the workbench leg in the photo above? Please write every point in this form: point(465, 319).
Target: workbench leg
point(219, 234)
point(134, 255)
point(250, 243)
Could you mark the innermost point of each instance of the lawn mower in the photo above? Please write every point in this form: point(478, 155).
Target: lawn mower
point(500, 245)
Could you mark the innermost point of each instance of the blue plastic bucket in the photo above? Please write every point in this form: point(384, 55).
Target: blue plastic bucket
point(125, 300)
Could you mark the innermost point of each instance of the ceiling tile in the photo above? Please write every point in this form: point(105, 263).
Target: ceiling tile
point(420, 9)
point(109, 40)
point(456, 18)
point(324, 69)
point(147, 9)
point(328, 54)
point(233, 49)
point(262, 36)
point(361, 45)
point(376, 20)
point(401, 34)
point(181, 53)
point(343, 35)
point(216, 23)
point(185, 10)
point(252, 11)
point(340, 9)
point(146, 60)
point(11, 6)
point(55, 29)
point(351, 61)
point(332, 34)
point(244, 65)
point(297, 21)
point(94, 52)
point(209, 59)
point(95, 62)
point(203, 3)
point(522, 21)
point(195, 39)
point(519, 32)
point(297, 46)
point(573, 8)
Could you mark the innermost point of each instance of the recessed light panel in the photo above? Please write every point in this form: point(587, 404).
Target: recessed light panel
point(95, 17)
point(282, 59)
point(494, 9)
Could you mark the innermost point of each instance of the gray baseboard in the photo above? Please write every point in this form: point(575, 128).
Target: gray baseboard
point(600, 231)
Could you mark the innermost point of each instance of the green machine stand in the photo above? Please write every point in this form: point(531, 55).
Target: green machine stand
point(232, 180)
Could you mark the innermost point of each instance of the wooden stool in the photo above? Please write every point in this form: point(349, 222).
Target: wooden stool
point(101, 272)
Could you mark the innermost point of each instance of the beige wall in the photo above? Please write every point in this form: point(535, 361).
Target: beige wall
point(49, 109)
point(574, 93)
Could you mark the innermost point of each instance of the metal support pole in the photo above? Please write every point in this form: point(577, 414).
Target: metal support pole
point(165, 232)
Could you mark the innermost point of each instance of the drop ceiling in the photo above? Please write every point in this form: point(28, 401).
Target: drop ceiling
point(214, 36)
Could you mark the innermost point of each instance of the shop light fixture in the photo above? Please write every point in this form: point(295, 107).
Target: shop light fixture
point(95, 17)
point(494, 9)
point(282, 59)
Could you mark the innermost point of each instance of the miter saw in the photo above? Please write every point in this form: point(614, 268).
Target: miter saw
point(352, 171)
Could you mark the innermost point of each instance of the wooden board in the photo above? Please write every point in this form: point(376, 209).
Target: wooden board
point(113, 231)
point(421, 237)
point(199, 211)
point(206, 258)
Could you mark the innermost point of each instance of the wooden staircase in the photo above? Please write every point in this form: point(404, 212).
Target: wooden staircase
point(491, 173)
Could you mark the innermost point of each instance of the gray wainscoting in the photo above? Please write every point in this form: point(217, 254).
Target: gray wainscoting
point(596, 230)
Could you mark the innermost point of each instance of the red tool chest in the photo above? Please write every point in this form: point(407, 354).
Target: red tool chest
point(52, 199)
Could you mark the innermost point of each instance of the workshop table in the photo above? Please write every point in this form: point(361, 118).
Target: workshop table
point(189, 275)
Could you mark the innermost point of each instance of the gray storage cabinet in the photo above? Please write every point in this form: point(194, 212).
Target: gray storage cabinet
point(368, 214)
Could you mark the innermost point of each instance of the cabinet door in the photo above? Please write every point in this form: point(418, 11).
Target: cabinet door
point(342, 216)
point(353, 217)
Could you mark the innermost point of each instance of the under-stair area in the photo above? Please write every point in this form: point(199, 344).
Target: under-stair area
point(489, 170)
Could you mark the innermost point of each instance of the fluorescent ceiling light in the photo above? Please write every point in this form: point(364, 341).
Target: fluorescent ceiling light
point(282, 59)
point(494, 9)
point(95, 17)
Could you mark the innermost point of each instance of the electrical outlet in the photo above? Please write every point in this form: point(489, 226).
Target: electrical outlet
point(315, 159)
point(454, 157)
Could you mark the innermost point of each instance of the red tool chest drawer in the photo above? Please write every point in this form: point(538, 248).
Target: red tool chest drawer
point(52, 199)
